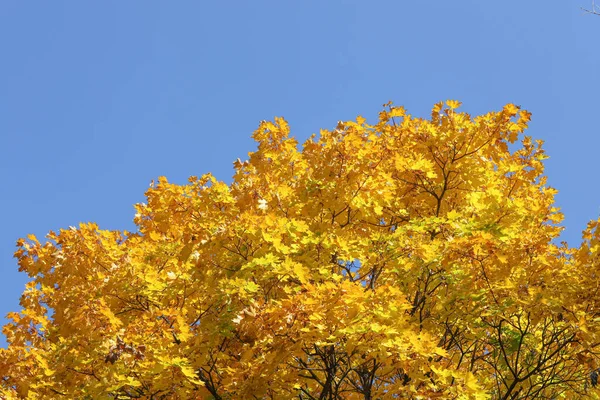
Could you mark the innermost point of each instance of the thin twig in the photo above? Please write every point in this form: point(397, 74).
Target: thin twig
point(595, 9)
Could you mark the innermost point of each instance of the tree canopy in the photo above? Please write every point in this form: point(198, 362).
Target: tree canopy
point(412, 258)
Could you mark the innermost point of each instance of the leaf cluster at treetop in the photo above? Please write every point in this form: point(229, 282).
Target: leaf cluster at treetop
point(411, 258)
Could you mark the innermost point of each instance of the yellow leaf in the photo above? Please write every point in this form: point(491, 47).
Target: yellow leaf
point(155, 236)
point(453, 215)
point(251, 287)
point(190, 374)
point(300, 272)
point(452, 104)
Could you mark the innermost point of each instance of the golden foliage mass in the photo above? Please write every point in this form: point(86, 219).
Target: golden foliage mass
point(409, 259)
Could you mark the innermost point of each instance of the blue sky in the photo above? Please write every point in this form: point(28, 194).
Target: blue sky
point(99, 98)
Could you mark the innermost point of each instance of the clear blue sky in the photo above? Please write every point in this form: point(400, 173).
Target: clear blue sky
point(99, 98)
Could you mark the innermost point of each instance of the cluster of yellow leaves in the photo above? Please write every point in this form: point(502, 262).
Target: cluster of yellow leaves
point(411, 259)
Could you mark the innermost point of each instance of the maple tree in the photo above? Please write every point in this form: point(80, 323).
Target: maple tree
point(411, 258)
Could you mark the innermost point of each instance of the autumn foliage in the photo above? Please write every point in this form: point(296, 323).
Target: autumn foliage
point(409, 259)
